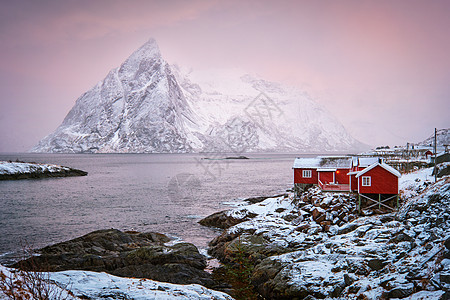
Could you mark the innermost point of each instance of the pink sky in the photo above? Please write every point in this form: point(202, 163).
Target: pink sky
point(382, 67)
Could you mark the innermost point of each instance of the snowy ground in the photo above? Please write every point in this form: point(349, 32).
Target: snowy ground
point(94, 285)
point(412, 184)
point(395, 255)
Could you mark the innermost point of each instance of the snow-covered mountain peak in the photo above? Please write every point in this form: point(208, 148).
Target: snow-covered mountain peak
point(147, 105)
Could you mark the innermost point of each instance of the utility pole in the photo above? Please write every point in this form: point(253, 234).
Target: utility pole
point(435, 154)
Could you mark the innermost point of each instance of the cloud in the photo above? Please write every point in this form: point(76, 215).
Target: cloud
point(366, 61)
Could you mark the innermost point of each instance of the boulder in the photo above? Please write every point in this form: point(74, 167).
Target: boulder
point(447, 243)
point(401, 291)
point(223, 221)
point(129, 254)
point(376, 263)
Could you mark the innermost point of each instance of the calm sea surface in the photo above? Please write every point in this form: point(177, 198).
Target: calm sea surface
point(166, 193)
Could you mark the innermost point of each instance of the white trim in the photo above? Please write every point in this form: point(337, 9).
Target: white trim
point(383, 165)
point(326, 170)
point(306, 173)
point(366, 181)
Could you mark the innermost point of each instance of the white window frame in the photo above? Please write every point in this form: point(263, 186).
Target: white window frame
point(307, 174)
point(366, 181)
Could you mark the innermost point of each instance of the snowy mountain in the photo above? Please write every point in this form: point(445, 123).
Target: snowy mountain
point(147, 105)
point(443, 138)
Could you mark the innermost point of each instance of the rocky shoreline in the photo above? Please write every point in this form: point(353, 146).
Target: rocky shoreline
point(315, 246)
point(126, 254)
point(22, 170)
point(318, 247)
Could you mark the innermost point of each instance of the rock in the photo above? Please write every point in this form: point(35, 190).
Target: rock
point(318, 214)
point(443, 169)
point(218, 245)
point(24, 170)
point(265, 271)
point(401, 291)
point(447, 243)
point(347, 228)
point(303, 227)
point(401, 237)
point(129, 254)
point(376, 264)
point(444, 277)
point(223, 220)
point(254, 200)
point(348, 279)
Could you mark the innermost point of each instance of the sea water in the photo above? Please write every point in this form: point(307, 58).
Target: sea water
point(166, 193)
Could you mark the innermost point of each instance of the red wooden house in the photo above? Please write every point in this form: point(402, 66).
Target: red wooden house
point(359, 164)
point(377, 185)
point(329, 172)
point(370, 177)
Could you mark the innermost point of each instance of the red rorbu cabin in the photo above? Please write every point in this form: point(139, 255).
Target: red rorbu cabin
point(370, 177)
point(378, 184)
point(329, 172)
point(359, 164)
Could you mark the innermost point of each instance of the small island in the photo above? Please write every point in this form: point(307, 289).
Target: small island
point(21, 170)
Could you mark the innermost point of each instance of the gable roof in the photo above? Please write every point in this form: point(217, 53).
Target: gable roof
point(335, 162)
point(306, 163)
point(323, 162)
point(367, 161)
point(383, 165)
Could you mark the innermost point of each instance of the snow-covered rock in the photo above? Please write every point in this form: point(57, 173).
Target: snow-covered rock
point(395, 255)
point(147, 105)
point(22, 170)
point(94, 285)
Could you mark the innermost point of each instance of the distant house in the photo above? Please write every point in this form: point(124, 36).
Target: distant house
point(369, 177)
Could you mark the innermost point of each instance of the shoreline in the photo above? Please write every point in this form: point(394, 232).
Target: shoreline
point(368, 256)
point(19, 170)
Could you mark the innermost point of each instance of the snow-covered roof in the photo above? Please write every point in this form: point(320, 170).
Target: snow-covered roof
point(323, 162)
point(383, 165)
point(335, 162)
point(367, 161)
point(306, 162)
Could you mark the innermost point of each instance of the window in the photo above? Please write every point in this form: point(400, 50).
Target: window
point(307, 174)
point(366, 181)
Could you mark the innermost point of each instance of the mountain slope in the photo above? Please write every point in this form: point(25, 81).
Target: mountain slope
point(148, 106)
point(443, 138)
point(138, 107)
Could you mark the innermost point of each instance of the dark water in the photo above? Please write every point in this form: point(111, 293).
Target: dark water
point(166, 193)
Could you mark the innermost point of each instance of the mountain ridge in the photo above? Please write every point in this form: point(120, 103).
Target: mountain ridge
point(148, 106)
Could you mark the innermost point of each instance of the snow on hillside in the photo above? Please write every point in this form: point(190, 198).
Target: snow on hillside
point(443, 138)
point(403, 254)
point(147, 105)
point(411, 184)
point(94, 285)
